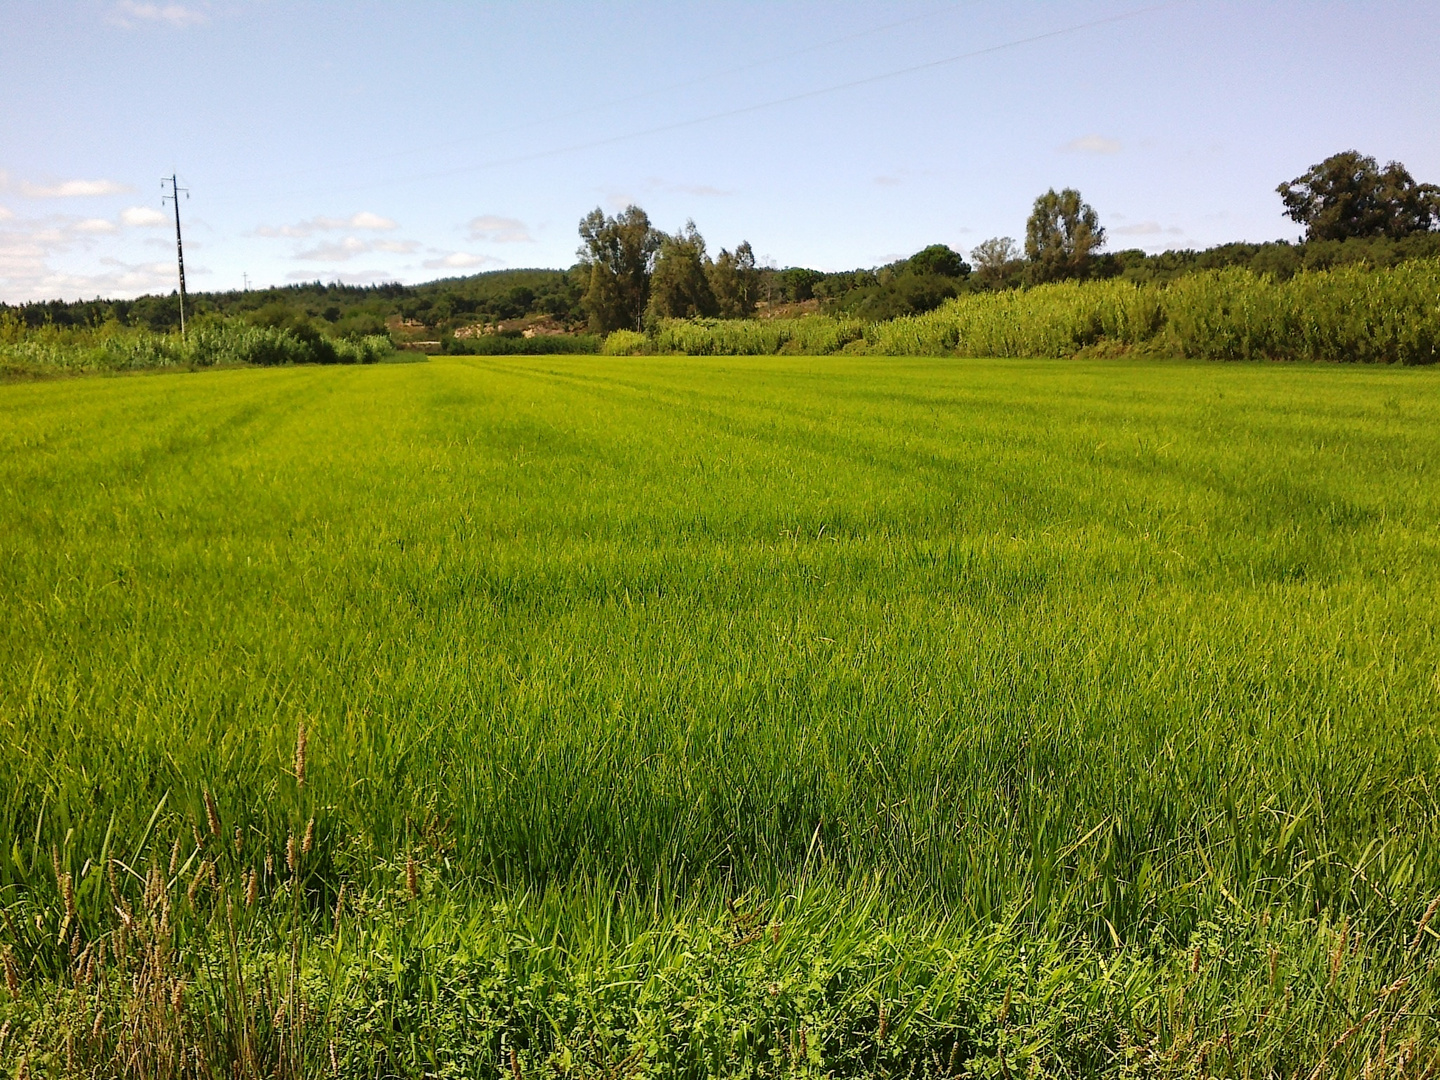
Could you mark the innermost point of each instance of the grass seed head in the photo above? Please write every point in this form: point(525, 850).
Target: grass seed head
point(1423, 923)
point(291, 853)
point(302, 741)
point(412, 876)
point(12, 973)
point(308, 844)
point(212, 814)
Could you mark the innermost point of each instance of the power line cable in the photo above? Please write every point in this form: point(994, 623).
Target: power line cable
point(631, 98)
point(745, 110)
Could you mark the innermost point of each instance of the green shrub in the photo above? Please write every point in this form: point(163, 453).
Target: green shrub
point(516, 345)
point(111, 347)
point(624, 343)
point(1350, 313)
point(810, 334)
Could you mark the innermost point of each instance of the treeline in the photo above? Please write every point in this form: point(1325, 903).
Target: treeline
point(1353, 212)
point(1349, 313)
point(334, 309)
point(631, 275)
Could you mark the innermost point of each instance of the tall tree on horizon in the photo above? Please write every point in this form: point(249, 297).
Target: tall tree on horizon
point(680, 287)
point(1348, 195)
point(735, 280)
point(1062, 235)
point(618, 255)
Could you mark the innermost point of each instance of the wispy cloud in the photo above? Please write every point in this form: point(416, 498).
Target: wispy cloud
point(6, 213)
point(142, 217)
point(365, 219)
point(888, 181)
point(72, 189)
point(1092, 144)
point(459, 260)
point(129, 13)
point(500, 230)
point(29, 250)
point(347, 248)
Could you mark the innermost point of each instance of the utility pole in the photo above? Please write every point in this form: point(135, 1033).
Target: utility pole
point(174, 197)
point(247, 282)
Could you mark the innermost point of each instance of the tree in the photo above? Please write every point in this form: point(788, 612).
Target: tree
point(680, 287)
point(1062, 234)
point(618, 257)
point(735, 281)
point(939, 259)
point(1349, 195)
point(996, 260)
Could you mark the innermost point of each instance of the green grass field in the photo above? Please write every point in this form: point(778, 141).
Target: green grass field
point(721, 717)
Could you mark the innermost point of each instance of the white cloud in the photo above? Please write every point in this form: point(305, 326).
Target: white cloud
point(171, 14)
point(366, 220)
point(500, 230)
point(1092, 144)
point(142, 217)
point(69, 189)
point(6, 213)
point(459, 260)
point(887, 181)
point(346, 248)
point(363, 220)
point(96, 225)
point(335, 250)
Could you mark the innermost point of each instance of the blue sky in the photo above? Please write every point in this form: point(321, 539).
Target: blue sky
point(375, 141)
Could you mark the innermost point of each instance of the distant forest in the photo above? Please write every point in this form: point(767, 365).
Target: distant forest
point(1353, 211)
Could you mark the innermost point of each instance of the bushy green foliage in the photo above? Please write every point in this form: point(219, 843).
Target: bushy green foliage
point(1348, 314)
point(773, 716)
point(519, 345)
point(53, 350)
point(1062, 236)
point(1349, 195)
point(1352, 313)
point(624, 343)
point(680, 286)
point(752, 337)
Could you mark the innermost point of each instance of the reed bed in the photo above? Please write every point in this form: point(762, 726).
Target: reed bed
point(680, 717)
point(1349, 314)
point(110, 348)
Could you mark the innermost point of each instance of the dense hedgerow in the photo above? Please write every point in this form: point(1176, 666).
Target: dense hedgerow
point(113, 348)
point(518, 345)
point(1351, 313)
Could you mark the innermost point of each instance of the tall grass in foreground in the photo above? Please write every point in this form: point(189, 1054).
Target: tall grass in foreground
point(54, 350)
point(1351, 313)
point(690, 718)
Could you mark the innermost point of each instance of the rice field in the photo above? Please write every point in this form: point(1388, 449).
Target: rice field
point(747, 716)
